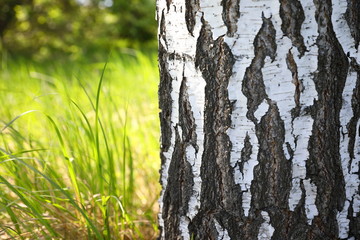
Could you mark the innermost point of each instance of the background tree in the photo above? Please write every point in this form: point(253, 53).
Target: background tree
point(48, 29)
point(259, 119)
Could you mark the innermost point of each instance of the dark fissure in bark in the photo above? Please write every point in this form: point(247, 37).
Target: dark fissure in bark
point(292, 16)
point(297, 220)
point(352, 17)
point(220, 196)
point(179, 189)
point(355, 104)
point(253, 84)
point(351, 127)
point(191, 8)
point(292, 66)
point(162, 33)
point(187, 121)
point(165, 100)
point(245, 153)
point(324, 163)
point(230, 15)
point(272, 176)
point(168, 3)
point(354, 230)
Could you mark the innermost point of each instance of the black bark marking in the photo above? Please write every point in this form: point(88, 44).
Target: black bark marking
point(165, 100)
point(253, 84)
point(178, 191)
point(292, 16)
point(324, 163)
point(187, 121)
point(162, 24)
point(192, 6)
point(352, 17)
point(292, 66)
point(354, 226)
point(355, 104)
point(245, 153)
point(272, 176)
point(220, 196)
point(351, 127)
point(162, 35)
point(297, 223)
point(168, 3)
point(230, 15)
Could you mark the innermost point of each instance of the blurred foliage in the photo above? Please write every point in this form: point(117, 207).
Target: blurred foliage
point(48, 29)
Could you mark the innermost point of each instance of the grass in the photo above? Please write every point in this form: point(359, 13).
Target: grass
point(79, 149)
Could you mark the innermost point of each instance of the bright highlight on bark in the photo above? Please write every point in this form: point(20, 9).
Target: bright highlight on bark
point(260, 108)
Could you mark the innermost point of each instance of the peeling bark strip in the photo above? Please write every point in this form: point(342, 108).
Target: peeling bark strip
point(260, 119)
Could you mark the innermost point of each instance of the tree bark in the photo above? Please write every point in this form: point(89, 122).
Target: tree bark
point(260, 110)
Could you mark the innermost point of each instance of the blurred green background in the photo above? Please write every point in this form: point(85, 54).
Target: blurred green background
point(45, 29)
point(79, 128)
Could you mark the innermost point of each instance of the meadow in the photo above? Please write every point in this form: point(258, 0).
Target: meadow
point(79, 148)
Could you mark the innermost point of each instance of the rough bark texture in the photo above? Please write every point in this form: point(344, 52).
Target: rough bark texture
point(292, 16)
point(352, 16)
point(260, 119)
point(324, 164)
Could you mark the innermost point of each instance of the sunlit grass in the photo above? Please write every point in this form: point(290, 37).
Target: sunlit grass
point(79, 149)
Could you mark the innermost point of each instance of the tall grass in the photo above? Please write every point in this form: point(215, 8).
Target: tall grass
point(79, 149)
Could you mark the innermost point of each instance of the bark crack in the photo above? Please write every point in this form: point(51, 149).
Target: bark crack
point(299, 87)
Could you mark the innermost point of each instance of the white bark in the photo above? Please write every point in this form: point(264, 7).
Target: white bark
point(281, 87)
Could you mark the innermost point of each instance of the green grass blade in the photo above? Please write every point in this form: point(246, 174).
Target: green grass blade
point(30, 206)
point(17, 117)
point(97, 141)
point(66, 193)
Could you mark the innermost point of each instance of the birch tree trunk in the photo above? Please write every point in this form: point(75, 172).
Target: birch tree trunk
point(260, 108)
